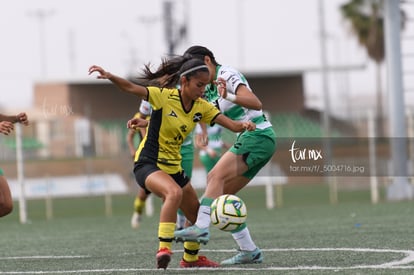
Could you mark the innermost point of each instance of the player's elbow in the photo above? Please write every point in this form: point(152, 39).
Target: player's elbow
point(253, 103)
point(257, 106)
point(5, 209)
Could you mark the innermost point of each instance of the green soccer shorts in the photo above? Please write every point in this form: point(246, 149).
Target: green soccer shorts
point(187, 158)
point(257, 148)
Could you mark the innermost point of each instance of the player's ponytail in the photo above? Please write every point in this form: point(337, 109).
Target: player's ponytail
point(168, 71)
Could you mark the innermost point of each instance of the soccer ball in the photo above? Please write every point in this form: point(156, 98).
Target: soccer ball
point(228, 212)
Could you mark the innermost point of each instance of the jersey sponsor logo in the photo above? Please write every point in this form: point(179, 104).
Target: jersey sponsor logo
point(233, 80)
point(197, 117)
point(173, 113)
point(172, 143)
point(183, 128)
point(179, 138)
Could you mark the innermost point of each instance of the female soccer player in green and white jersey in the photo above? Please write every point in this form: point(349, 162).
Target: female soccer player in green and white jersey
point(230, 92)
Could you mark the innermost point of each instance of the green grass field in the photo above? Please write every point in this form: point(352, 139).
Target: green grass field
point(305, 236)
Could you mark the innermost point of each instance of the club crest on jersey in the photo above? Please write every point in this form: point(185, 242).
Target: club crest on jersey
point(172, 114)
point(197, 117)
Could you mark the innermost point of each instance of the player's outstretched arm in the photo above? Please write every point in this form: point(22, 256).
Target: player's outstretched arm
point(20, 117)
point(6, 122)
point(121, 83)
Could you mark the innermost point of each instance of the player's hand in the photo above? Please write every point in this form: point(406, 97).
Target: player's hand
point(102, 73)
point(204, 139)
point(221, 87)
point(137, 123)
point(22, 118)
point(6, 127)
point(249, 126)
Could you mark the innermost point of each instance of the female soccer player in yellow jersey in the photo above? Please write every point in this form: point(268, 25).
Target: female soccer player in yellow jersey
point(229, 90)
point(187, 157)
point(158, 160)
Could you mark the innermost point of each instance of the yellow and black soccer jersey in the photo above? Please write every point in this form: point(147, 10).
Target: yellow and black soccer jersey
point(168, 127)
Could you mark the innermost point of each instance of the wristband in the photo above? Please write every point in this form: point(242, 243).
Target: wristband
point(231, 97)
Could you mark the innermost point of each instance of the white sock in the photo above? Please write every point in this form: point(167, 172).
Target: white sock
point(244, 240)
point(180, 220)
point(203, 217)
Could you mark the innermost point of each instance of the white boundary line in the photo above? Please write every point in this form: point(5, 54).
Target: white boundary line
point(398, 264)
point(43, 257)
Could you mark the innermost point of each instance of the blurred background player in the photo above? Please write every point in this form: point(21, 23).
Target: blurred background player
point(141, 198)
point(209, 152)
point(6, 127)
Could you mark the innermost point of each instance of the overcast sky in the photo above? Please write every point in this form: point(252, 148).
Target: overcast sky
point(122, 35)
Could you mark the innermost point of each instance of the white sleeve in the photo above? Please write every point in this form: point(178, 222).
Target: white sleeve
point(145, 108)
point(233, 80)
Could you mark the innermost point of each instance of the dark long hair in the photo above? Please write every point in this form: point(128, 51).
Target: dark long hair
point(200, 52)
point(171, 68)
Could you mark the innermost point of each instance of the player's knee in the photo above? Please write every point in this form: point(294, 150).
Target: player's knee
point(175, 193)
point(215, 177)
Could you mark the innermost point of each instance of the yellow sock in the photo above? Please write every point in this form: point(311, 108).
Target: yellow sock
point(139, 205)
point(191, 251)
point(166, 234)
